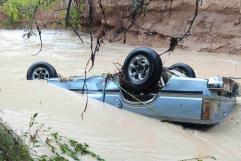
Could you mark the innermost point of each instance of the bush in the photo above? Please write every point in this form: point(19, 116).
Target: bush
point(12, 147)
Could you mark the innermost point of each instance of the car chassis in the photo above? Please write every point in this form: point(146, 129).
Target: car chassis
point(180, 98)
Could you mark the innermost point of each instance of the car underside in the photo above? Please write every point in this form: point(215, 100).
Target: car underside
point(145, 87)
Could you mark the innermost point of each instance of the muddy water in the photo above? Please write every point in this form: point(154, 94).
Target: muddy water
point(115, 134)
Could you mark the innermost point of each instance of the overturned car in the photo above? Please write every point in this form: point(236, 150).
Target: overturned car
point(145, 87)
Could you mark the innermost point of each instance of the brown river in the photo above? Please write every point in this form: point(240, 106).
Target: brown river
point(115, 134)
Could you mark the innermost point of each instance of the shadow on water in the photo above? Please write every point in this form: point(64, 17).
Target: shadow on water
point(191, 126)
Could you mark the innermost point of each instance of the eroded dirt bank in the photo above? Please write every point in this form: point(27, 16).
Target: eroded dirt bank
point(217, 27)
point(115, 134)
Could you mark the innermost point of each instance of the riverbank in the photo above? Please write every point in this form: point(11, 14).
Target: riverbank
point(216, 28)
point(12, 147)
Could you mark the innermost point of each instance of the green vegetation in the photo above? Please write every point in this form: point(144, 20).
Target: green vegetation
point(14, 9)
point(23, 10)
point(28, 12)
point(60, 148)
point(12, 147)
point(63, 148)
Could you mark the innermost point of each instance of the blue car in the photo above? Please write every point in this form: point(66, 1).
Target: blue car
point(145, 87)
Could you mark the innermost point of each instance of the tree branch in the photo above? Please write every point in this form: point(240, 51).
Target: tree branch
point(68, 13)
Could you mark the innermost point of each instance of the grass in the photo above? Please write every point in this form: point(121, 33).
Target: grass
point(12, 147)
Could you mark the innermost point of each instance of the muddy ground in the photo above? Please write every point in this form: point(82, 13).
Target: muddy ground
point(217, 26)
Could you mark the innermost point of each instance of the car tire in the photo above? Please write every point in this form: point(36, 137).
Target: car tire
point(41, 70)
point(183, 68)
point(141, 70)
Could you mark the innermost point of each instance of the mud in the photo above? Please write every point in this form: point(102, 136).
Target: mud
point(216, 29)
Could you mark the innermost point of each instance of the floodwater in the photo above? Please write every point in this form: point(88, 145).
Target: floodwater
point(115, 134)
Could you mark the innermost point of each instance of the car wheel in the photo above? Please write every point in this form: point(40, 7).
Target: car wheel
point(41, 70)
point(183, 68)
point(141, 70)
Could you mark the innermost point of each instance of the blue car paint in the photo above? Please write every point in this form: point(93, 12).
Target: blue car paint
point(181, 99)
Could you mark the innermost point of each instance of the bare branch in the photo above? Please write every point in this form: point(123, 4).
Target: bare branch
point(86, 103)
point(174, 41)
point(40, 36)
point(76, 32)
point(134, 16)
point(67, 13)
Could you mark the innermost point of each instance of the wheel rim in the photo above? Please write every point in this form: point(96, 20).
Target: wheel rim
point(40, 73)
point(138, 69)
